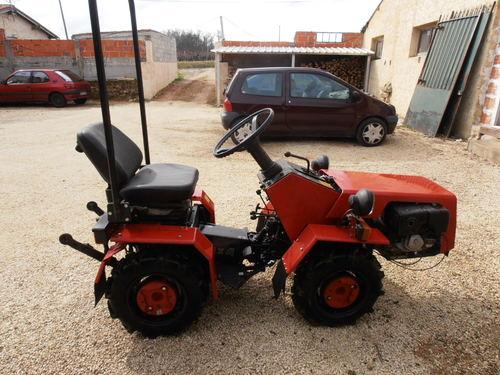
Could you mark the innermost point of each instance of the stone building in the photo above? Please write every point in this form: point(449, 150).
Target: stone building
point(400, 33)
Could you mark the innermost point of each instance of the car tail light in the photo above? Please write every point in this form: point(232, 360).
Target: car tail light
point(228, 106)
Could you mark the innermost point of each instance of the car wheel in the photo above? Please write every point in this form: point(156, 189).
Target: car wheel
point(57, 100)
point(80, 101)
point(371, 132)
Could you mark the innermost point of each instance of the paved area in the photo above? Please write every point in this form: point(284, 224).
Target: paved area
point(442, 321)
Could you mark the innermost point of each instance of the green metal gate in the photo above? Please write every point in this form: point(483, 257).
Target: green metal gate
point(445, 72)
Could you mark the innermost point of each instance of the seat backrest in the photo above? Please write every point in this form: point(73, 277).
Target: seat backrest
point(128, 156)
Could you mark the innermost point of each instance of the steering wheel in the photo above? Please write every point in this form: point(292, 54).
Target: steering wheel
point(254, 131)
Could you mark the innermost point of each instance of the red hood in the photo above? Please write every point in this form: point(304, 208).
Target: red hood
point(394, 188)
point(394, 185)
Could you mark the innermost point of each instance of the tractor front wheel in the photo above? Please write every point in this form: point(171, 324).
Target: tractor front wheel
point(156, 293)
point(337, 289)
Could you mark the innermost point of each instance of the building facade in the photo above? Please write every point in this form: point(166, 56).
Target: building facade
point(400, 31)
point(18, 25)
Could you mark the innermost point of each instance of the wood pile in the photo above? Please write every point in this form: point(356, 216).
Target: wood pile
point(351, 70)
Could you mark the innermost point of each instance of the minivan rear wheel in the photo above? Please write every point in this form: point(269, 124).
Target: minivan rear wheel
point(371, 132)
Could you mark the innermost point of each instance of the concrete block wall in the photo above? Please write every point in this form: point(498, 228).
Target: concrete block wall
point(159, 60)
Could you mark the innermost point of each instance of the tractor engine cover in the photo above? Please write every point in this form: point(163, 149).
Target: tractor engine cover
point(415, 227)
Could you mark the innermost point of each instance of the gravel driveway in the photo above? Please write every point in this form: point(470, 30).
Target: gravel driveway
point(442, 321)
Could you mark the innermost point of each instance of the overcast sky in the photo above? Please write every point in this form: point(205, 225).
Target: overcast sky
point(243, 20)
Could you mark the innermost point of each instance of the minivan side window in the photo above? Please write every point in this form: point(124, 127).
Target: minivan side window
point(263, 84)
point(310, 85)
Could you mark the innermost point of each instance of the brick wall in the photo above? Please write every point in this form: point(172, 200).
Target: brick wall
point(69, 54)
point(492, 97)
point(112, 48)
point(42, 48)
point(159, 62)
point(308, 39)
point(2, 47)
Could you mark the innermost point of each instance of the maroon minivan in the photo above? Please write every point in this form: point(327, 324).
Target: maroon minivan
point(56, 87)
point(308, 103)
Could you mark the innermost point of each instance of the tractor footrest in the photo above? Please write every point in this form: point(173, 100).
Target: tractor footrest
point(234, 275)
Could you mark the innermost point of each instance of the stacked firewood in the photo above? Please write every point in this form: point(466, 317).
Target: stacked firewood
point(351, 70)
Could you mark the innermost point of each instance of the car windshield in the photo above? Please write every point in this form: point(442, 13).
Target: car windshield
point(68, 76)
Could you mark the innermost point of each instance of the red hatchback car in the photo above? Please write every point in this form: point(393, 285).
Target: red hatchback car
point(44, 85)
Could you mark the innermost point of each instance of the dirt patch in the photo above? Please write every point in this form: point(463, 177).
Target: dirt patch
point(442, 321)
point(194, 85)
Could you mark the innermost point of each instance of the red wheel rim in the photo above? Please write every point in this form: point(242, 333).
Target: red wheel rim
point(341, 292)
point(156, 298)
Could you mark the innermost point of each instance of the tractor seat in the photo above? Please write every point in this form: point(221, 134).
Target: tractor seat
point(157, 185)
point(154, 185)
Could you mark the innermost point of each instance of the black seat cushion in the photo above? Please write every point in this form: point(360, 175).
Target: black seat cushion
point(157, 185)
point(128, 156)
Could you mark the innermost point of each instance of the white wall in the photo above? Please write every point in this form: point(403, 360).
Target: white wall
point(395, 20)
point(17, 27)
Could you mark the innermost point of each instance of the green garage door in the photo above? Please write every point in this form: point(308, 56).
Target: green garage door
point(444, 74)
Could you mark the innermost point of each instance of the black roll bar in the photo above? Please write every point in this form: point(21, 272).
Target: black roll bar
point(114, 206)
point(140, 86)
point(106, 117)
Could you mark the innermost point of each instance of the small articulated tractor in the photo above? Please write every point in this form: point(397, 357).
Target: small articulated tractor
point(164, 253)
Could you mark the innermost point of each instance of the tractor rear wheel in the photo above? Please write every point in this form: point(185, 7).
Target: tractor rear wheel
point(156, 293)
point(337, 289)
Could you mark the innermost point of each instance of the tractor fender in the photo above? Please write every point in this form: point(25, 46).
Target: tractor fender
point(201, 197)
point(314, 233)
point(159, 234)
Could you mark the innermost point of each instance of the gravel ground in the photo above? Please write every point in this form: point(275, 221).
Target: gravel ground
point(442, 321)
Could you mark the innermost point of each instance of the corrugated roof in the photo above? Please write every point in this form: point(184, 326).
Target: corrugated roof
point(346, 51)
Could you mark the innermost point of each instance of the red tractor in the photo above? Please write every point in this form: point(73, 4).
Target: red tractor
point(166, 252)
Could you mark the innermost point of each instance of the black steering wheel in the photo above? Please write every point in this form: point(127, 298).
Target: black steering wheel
point(254, 129)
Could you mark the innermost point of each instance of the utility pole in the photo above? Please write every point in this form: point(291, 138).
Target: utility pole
point(222, 28)
point(279, 33)
point(64, 21)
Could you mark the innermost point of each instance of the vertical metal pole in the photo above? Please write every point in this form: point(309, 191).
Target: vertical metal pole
point(367, 73)
point(64, 21)
point(106, 117)
point(293, 60)
point(222, 28)
point(140, 84)
point(218, 78)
